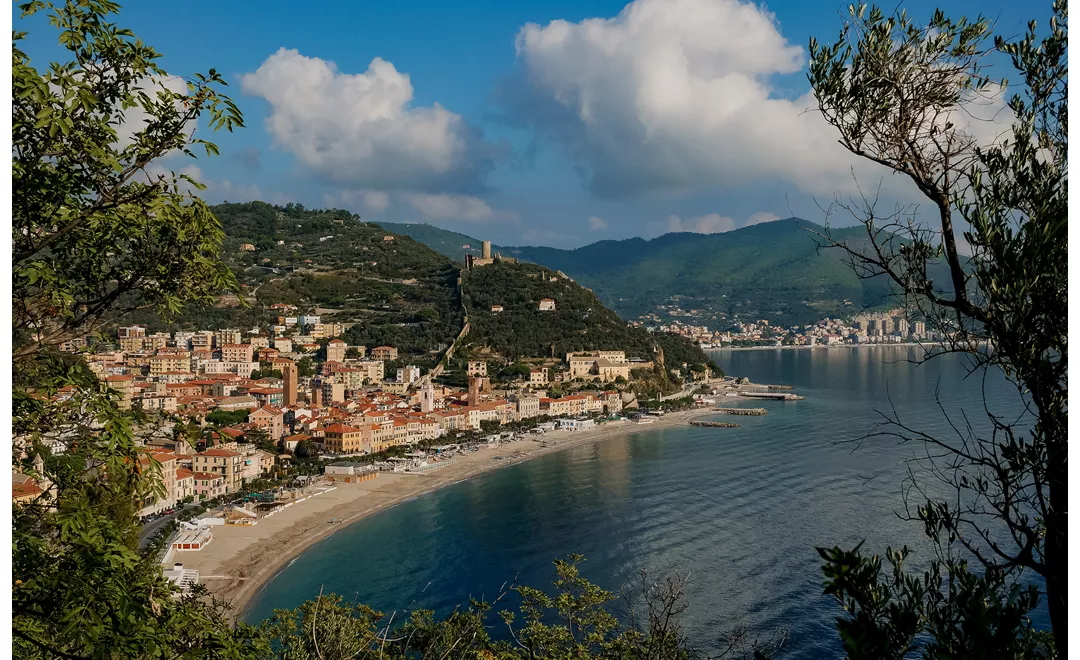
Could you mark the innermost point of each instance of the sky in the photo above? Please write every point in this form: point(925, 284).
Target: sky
point(543, 123)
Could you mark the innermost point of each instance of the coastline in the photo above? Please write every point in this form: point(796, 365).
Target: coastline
point(242, 559)
point(840, 346)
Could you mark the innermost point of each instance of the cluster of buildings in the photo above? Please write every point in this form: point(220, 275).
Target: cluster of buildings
point(344, 404)
point(887, 327)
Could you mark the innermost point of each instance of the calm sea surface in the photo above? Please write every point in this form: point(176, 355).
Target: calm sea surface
point(738, 510)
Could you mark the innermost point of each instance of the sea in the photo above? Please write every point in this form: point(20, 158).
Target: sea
point(736, 513)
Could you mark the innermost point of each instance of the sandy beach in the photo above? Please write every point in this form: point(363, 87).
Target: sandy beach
point(243, 558)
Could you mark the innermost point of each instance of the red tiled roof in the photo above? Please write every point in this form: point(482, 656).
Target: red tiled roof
point(341, 428)
point(25, 490)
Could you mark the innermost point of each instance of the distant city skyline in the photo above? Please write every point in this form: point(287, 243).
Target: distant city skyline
point(544, 123)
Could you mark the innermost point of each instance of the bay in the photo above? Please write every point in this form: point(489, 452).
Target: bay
point(739, 512)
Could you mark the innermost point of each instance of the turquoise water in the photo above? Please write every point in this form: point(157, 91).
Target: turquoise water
point(738, 510)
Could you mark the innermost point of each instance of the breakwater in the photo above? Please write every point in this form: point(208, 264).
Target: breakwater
point(716, 425)
point(742, 411)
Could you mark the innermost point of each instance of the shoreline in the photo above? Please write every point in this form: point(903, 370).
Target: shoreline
point(849, 346)
point(241, 560)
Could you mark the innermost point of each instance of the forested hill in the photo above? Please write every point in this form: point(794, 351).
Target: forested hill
point(443, 241)
point(580, 321)
point(396, 291)
point(772, 270)
point(393, 289)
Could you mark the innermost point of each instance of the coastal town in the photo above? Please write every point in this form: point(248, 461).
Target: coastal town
point(894, 326)
point(245, 424)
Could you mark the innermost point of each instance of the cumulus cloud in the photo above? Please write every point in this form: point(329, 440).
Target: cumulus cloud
point(674, 95)
point(216, 190)
point(760, 217)
point(455, 207)
point(710, 223)
point(597, 224)
point(375, 201)
point(234, 192)
point(361, 129)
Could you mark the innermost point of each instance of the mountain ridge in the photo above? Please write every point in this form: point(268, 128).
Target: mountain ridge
point(774, 271)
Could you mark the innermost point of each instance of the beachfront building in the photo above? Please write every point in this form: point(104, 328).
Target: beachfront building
point(228, 464)
point(528, 407)
point(451, 420)
point(342, 439)
point(350, 473)
point(208, 485)
point(576, 424)
point(162, 466)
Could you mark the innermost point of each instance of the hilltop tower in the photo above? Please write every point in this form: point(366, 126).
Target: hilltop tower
point(485, 252)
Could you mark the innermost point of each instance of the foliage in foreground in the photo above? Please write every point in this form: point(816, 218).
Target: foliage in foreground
point(575, 621)
point(897, 94)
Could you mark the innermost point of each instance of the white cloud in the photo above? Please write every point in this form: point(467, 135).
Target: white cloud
point(760, 217)
point(234, 192)
point(215, 191)
point(130, 121)
point(675, 95)
point(375, 201)
point(711, 223)
point(597, 224)
point(360, 129)
point(455, 207)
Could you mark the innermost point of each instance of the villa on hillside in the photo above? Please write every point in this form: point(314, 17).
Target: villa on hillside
point(547, 305)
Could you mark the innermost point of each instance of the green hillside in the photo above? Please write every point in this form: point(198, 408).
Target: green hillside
point(773, 271)
point(443, 241)
point(394, 290)
point(397, 291)
point(580, 321)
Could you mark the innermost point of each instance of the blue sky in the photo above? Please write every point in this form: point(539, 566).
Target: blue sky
point(670, 115)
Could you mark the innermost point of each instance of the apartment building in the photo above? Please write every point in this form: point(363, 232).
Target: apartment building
point(228, 464)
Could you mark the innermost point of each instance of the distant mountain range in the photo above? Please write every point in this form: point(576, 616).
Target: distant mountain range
point(773, 271)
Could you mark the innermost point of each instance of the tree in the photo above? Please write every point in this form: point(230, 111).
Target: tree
point(894, 91)
point(305, 368)
point(223, 418)
point(98, 228)
point(306, 449)
point(261, 439)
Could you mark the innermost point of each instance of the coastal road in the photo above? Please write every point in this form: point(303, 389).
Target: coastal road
point(686, 391)
point(153, 526)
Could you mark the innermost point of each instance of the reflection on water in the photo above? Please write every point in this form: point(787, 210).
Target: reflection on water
point(739, 510)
